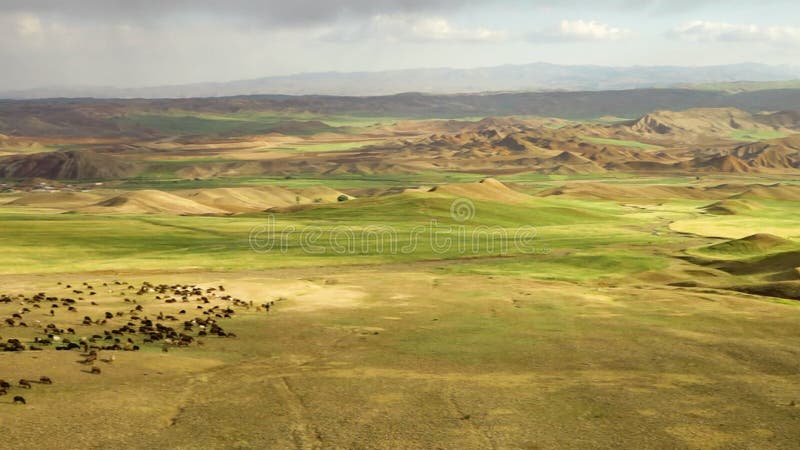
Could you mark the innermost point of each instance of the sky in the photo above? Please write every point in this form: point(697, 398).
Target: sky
point(136, 43)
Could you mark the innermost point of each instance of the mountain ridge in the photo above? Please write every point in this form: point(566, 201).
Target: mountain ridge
point(535, 77)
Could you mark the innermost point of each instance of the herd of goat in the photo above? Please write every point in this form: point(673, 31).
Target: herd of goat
point(122, 330)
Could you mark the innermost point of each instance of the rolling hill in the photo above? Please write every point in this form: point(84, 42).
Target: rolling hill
point(66, 165)
point(149, 202)
point(693, 124)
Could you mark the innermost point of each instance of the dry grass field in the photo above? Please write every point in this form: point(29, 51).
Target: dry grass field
point(417, 356)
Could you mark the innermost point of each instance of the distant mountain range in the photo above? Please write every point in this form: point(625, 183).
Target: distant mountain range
point(530, 77)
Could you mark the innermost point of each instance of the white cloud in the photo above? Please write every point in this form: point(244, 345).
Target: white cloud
point(580, 31)
point(404, 28)
point(700, 30)
point(28, 24)
point(591, 31)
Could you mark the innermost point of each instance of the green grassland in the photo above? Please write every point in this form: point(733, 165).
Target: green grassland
point(757, 135)
point(162, 177)
point(575, 239)
point(48, 242)
point(622, 143)
point(773, 217)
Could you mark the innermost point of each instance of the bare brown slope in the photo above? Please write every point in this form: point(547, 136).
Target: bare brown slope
point(488, 190)
point(566, 157)
point(66, 165)
point(251, 199)
point(724, 163)
point(243, 199)
point(321, 194)
point(773, 154)
point(149, 202)
point(782, 119)
point(693, 123)
point(575, 169)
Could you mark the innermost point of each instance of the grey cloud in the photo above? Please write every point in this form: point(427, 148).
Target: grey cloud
point(404, 28)
point(297, 12)
point(287, 12)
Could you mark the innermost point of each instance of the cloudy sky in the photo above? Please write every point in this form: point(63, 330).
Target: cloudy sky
point(130, 43)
